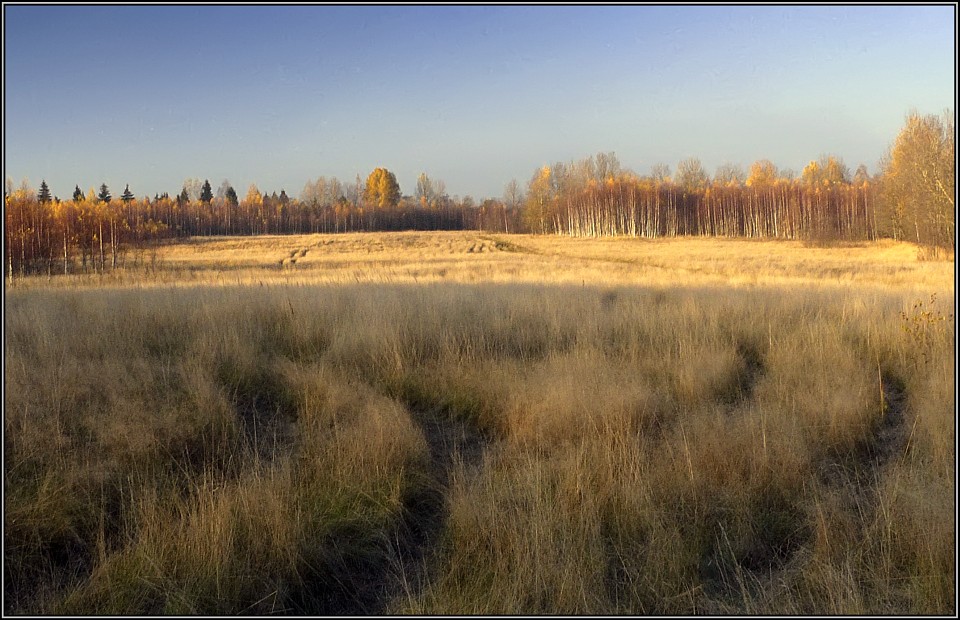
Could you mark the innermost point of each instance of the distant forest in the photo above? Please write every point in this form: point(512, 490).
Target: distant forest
point(911, 198)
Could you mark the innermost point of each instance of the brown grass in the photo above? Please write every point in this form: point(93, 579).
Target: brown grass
point(473, 258)
point(668, 427)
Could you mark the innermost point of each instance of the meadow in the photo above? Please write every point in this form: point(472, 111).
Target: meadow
point(470, 423)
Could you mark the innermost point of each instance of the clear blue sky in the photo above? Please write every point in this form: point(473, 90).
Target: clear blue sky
point(474, 96)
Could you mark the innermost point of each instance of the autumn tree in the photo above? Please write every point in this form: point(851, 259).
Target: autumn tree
point(811, 174)
point(425, 191)
point(63, 214)
point(730, 174)
point(660, 173)
point(355, 193)
point(382, 189)
point(253, 197)
point(690, 175)
point(312, 192)
point(512, 194)
point(606, 165)
point(253, 212)
point(828, 171)
point(439, 190)
point(762, 172)
point(918, 181)
point(835, 172)
point(539, 197)
point(192, 186)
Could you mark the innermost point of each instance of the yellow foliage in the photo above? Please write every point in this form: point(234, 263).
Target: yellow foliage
point(382, 189)
point(253, 197)
point(920, 180)
point(762, 172)
point(811, 172)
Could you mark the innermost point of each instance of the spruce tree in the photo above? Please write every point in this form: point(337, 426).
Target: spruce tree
point(44, 195)
point(206, 194)
point(104, 194)
point(77, 194)
point(127, 195)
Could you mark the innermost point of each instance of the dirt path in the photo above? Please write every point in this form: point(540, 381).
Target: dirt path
point(268, 421)
point(747, 377)
point(400, 566)
point(854, 475)
point(452, 442)
point(860, 469)
point(891, 437)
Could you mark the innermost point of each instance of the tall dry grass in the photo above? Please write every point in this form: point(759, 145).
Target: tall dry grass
point(775, 442)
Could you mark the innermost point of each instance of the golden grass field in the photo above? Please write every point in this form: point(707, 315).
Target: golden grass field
point(464, 423)
point(471, 257)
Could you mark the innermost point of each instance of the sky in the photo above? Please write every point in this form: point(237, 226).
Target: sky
point(472, 95)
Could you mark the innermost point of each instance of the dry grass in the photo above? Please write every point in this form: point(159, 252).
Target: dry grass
point(474, 258)
point(684, 426)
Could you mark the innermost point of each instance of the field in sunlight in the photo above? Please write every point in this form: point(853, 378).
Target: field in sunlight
point(464, 423)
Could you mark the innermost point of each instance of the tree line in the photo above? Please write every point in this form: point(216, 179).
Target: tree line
point(911, 198)
point(93, 232)
point(824, 203)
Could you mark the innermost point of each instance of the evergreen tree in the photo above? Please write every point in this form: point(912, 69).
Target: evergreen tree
point(127, 194)
point(44, 195)
point(104, 194)
point(183, 198)
point(206, 194)
point(231, 196)
point(77, 194)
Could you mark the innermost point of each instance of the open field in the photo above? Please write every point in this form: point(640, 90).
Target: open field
point(450, 423)
point(471, 257)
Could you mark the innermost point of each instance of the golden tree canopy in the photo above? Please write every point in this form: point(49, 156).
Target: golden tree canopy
point(919, 180)
point(828, 171)
point(382, 189)
point(762, 172)
point(253, 197)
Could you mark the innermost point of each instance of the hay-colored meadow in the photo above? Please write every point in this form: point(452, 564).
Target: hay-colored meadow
point(466, 423)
